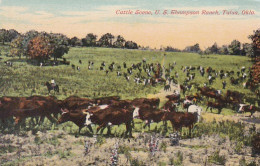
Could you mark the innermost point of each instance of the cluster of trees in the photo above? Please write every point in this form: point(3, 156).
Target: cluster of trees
point(234, 48)
point(8, 35)
point(39, 45)
point(106, 40)
point(192, 49)
point(42, 45)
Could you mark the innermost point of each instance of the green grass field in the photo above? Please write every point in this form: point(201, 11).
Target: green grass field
point(24, 79)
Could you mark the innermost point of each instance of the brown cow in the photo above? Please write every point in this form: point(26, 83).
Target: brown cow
point(111, 116)
point(36, 106)
point(181, 119)
point(154, 102)
point(174, 97)
point(106, 100)
point(76, 116)
point(170, 106)
point(218, 106)
point(7, 104)
point(148, 113)
point(74, 102)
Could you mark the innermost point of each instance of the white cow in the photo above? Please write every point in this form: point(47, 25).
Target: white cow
point(197, 109)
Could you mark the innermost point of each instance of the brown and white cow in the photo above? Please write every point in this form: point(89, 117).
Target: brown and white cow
point(148, 114)
point(111, 116)
point(248, 108)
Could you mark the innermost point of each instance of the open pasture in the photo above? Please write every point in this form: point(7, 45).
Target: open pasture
point(24, 79)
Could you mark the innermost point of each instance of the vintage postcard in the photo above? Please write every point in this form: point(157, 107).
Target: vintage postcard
point(129, 82)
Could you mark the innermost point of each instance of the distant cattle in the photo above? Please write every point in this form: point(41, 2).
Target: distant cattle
point(167, 88)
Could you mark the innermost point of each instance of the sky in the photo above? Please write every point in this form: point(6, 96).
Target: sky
point(80, 17)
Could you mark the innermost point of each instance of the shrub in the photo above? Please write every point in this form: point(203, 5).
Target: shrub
point(217, 159)
point(163, 146)
point(178, 160)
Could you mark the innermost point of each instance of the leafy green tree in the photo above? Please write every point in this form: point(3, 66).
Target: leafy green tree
point(106, 40)
point(12, 34)
point(75, 42)
point(247, 50)
point(223, 50)
point(214, 49)
point(234, 47)
point(120, 42)
point(194, 48)
point(17, 47)
point(131, 45)
point(90, 40)
point(60, 45)
point(3, 35)
point(255, 37)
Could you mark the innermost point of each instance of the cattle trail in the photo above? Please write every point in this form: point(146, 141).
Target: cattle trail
point(162, 93)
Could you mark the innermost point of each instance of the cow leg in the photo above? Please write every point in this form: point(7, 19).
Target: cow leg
point(53, 120)
point(207, 108)
point(219, 110)
point(165, 124)
point(90, 128)
point(79, 130)
point(99, 127)
point(108, 130)
point(40, 122)
point(190, 127)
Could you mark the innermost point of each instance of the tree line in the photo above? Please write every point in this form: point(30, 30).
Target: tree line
point(56, 44)
point(234, 48)
point(42, 45)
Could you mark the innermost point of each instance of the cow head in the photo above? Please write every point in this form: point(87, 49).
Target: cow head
point(65, 116)
point(136, 113)
point(241, 108)
point(88, 119)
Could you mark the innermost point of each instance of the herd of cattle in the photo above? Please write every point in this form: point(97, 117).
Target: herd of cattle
point(109, 111)
point(104, 112)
